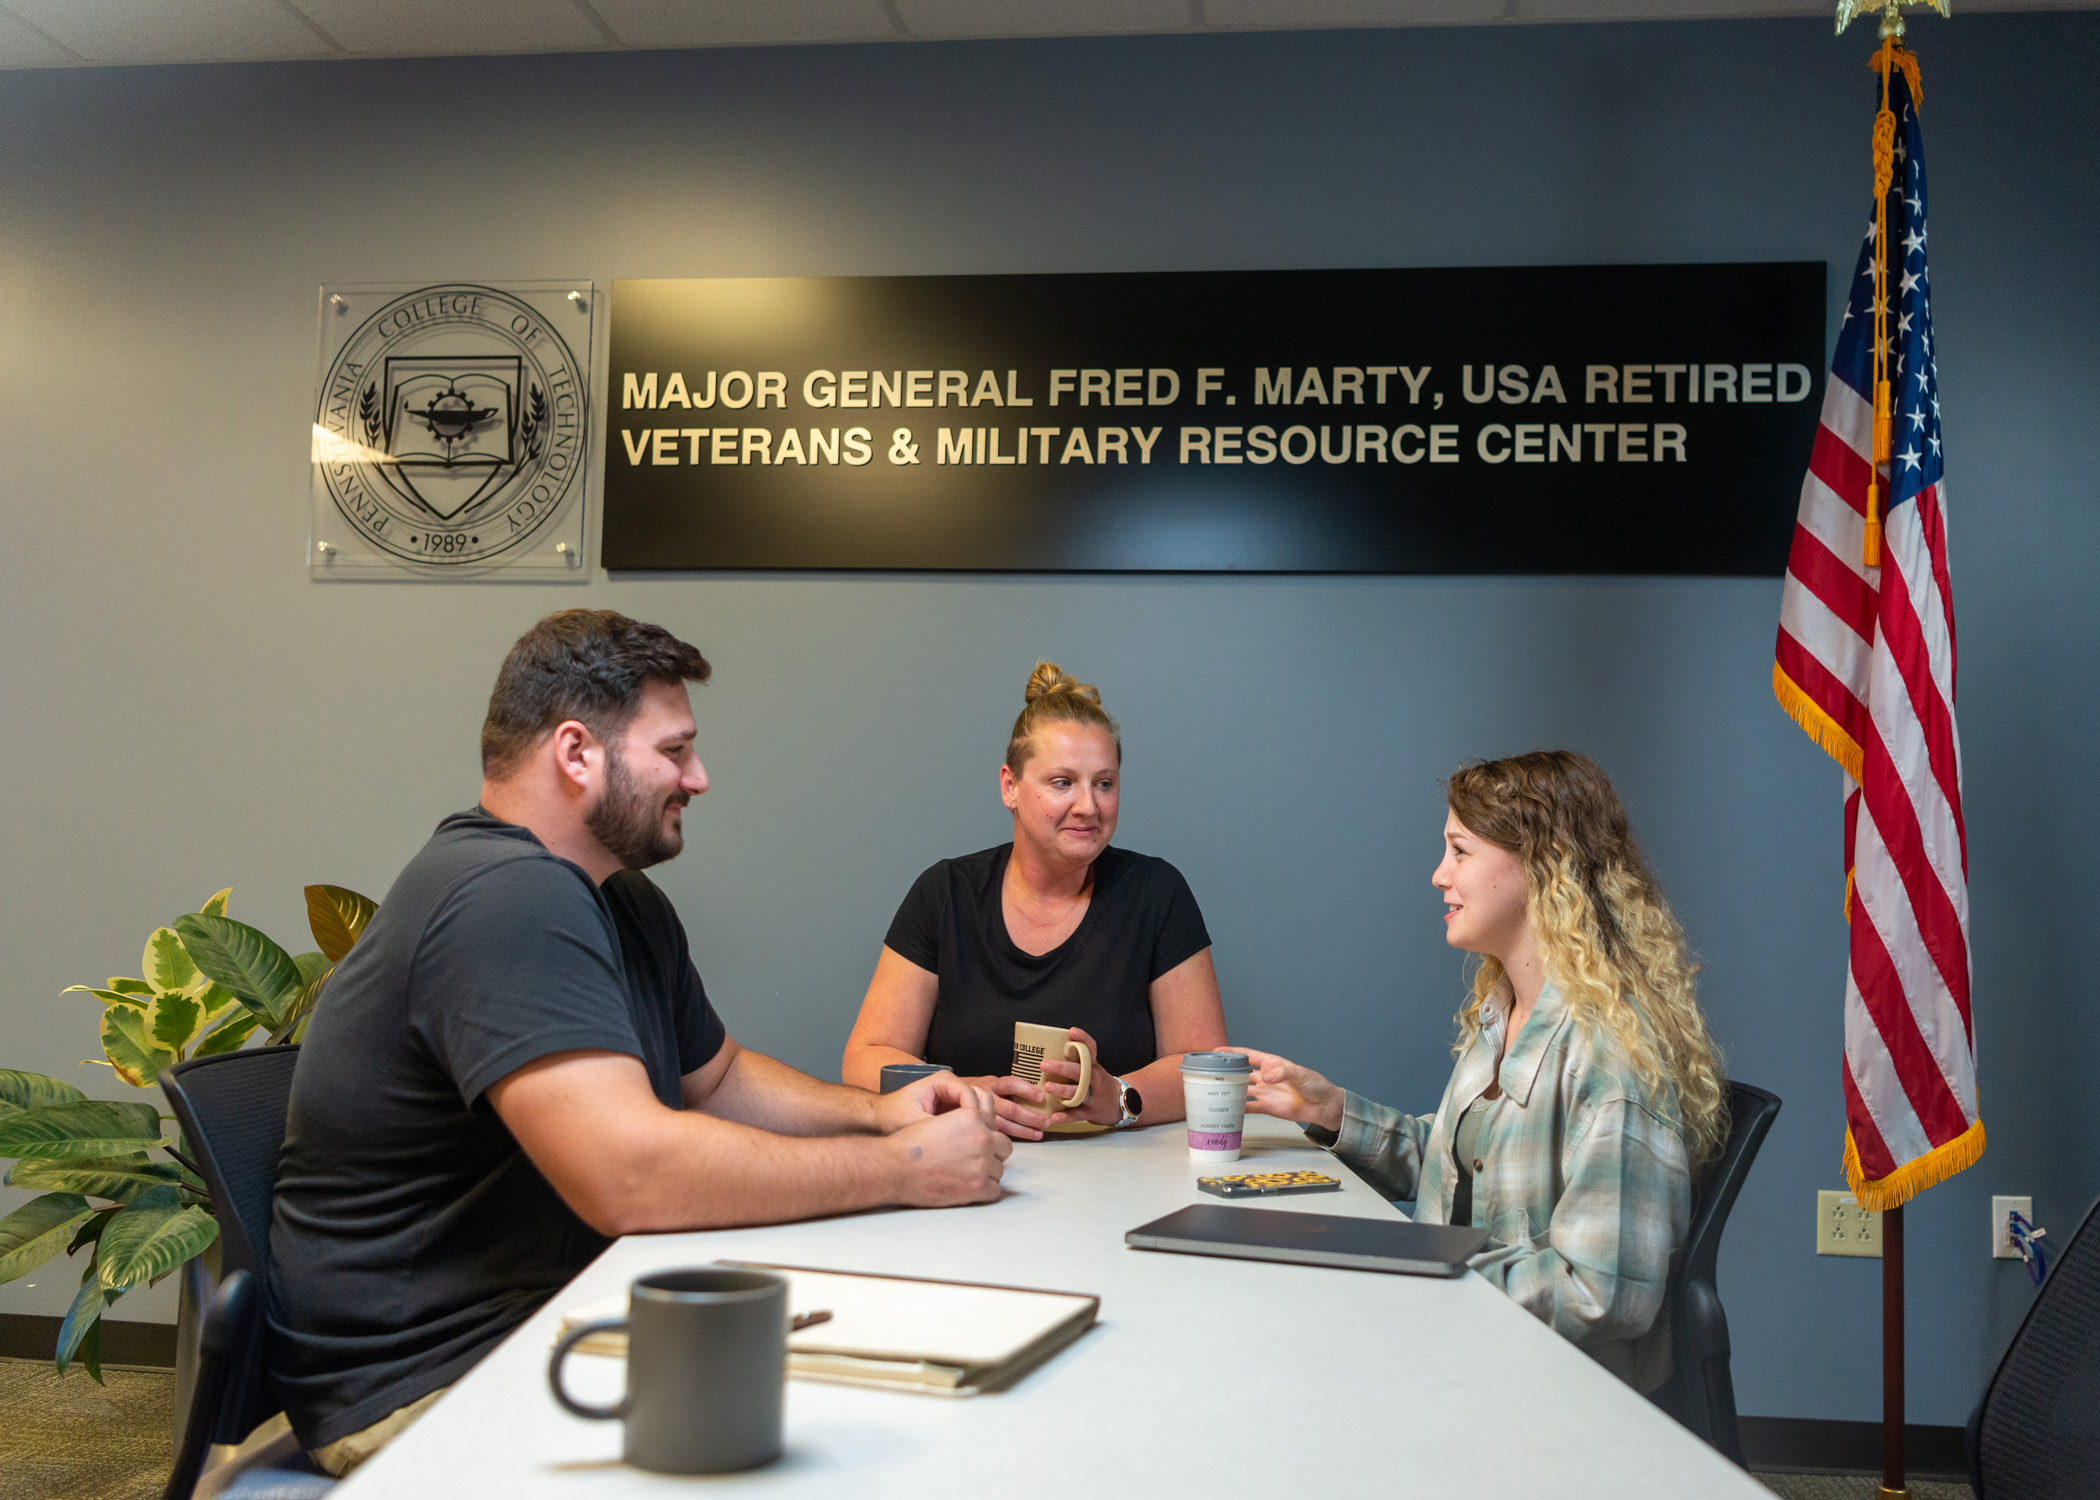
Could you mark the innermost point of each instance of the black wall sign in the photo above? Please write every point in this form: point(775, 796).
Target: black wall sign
point(1578, 419)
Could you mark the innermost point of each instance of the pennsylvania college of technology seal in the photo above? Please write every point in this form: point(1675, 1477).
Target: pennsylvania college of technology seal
point(451, 425)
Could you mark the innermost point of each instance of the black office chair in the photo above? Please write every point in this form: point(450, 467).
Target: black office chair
point(1700, 1392)
point(231, 1108)
point(2035, 1435)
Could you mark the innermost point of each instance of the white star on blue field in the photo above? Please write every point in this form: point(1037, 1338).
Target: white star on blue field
point(1914, 380)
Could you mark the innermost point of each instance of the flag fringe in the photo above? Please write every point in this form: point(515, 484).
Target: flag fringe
point(1821, 728)
point(1913, 1177)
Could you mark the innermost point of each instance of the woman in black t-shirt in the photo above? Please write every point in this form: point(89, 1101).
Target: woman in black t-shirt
point(1055, 928)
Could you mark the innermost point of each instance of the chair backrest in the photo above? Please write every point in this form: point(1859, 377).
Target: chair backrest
point(232, 1326)
point(1701, 1390)
point(232, 1108)
point(1751, 1112)
point(2036, 1433)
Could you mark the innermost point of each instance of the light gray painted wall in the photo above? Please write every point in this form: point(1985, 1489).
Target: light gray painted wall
point(188, 711)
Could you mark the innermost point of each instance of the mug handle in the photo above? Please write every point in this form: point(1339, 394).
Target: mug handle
point(1086, 1074)
point(566, 1343)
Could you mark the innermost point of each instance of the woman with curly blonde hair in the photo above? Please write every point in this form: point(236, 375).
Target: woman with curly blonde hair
point(1586, 1093)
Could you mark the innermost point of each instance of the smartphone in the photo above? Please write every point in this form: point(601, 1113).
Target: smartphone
point(1268, 1184)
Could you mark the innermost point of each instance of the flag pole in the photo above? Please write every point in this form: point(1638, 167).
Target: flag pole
point(1892, 1485)
point(1891, 56)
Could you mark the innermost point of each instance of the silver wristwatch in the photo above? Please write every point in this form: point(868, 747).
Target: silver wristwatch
point(1129, 1101)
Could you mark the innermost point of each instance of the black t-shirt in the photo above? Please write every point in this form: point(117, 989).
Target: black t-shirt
point(1141, 922)
point(411, 1232)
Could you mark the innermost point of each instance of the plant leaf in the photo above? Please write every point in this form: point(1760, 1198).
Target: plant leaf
point(228, 1035)
point(216, 907)
point(118, 1178)
point(112, 997)
point(152, 1237)
point(293, 1021)
point(91, 1231)
point(311, 967)
point(20, 1091)
point(38, 1230)
point(338, 918)
point(261, 974)
point(125, 987)
point(167, 965)
point(81, 1332)
point(85, 1127)
point(127, 1038)
point(217, 1002)
point(176, 1019)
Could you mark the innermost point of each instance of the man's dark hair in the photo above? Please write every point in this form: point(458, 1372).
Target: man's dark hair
point(584, 664)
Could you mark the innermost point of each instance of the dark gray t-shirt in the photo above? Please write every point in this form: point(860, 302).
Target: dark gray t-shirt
point(411, 1231)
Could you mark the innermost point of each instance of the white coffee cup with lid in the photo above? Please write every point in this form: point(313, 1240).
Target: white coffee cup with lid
point(1214, 1089)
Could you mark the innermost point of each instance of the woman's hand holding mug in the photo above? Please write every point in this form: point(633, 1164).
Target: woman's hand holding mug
point(1024, 1109)
point(1288, 1091)
point(1103, 1104)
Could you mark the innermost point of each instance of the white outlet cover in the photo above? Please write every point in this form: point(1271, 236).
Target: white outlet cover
point(1844, 1228)
point(2002, 1210)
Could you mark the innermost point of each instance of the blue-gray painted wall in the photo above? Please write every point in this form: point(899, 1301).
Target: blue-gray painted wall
point(187, 710)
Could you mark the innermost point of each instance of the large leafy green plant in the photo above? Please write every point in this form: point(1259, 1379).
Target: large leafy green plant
point(210, 985)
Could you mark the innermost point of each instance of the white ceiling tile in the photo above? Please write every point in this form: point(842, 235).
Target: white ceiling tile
point(705, 23)
point(142, 31)
point(1292, 13)
point(476, 27)
point(22, 46)
point(958, 18)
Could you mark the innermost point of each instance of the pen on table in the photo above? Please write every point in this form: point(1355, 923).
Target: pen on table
point(809, 1319)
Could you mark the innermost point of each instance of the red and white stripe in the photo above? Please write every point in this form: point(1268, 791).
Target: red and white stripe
point(1866, 661)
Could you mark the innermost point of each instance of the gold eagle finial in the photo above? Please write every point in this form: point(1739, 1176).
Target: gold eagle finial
point(1849, 11)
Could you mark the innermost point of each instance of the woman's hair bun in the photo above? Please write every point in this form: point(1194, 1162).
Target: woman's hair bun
point(1049, 680)
point(1055, 696)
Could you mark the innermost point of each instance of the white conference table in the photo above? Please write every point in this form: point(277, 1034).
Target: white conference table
point(1203, 1376)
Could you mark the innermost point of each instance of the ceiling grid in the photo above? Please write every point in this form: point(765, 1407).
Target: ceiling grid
point(77, 33)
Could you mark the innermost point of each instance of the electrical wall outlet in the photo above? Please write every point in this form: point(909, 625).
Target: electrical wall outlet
point(1844, 1228)
point(2002, 1210)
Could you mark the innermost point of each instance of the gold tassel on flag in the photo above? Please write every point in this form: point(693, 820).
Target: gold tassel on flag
point(1891, 57)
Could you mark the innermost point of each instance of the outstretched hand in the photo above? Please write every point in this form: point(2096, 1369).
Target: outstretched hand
point(1290, 1091)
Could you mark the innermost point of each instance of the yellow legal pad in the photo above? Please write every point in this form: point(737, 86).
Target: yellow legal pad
point(938, 1338)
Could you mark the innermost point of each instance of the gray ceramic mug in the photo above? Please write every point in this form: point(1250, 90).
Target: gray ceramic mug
point(706, 1368)
point(898, 1075)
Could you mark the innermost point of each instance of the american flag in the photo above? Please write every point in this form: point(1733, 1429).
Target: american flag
point(1865, 663)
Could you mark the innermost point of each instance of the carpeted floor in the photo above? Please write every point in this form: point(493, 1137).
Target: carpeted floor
point(69, 1437)
point(1852, 1487)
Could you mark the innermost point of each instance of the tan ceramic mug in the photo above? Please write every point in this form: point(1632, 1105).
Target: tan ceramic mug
point(1032, 1044)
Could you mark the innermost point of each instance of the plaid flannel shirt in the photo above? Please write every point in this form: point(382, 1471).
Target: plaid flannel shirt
point(1582, 1182)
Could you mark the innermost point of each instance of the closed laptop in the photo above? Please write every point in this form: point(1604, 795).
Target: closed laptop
point(1394, 1245)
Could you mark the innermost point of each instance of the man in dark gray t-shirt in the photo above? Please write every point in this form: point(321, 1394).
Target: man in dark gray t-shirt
point(518, 1061)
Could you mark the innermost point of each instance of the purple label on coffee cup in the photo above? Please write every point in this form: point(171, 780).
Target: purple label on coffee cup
point(1214, 1140)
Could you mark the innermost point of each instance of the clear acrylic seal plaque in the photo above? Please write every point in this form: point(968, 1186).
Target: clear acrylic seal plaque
point(451, 431)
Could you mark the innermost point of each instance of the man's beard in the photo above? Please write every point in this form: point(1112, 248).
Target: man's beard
point(628, 823)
